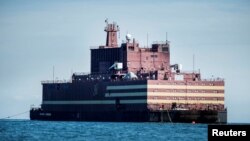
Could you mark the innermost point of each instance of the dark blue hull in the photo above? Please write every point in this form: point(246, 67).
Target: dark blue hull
point(186, 116)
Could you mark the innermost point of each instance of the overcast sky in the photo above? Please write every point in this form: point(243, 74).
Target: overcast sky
point(37, 35)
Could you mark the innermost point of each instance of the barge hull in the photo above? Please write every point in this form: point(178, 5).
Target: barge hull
point(186, 116)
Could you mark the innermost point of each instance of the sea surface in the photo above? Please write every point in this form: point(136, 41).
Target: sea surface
point(26, 130)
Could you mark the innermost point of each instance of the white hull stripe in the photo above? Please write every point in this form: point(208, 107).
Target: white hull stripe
point(186, 87)
point(129, 87)
point(126, 94)
point(158, 101)
point(126, 87)
point(131, 94)
point(135, 101)
point(81, 102)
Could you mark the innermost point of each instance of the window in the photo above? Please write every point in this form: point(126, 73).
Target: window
point(131, 48)
point(165, 49)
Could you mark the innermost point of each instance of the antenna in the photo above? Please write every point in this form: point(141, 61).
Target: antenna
point(118, 28)
point(53, 74)
point(106, 20)
point(166, 36)
point(193, 62)
point(147, 40)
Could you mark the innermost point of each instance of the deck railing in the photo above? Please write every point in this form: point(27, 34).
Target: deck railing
point(55, 81)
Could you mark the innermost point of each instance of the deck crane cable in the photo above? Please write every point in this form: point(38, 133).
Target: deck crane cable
point(15, 115)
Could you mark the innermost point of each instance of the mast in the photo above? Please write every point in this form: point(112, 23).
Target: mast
point(111, 29)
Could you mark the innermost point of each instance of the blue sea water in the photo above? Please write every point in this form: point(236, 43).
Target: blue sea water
point(99, 131)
